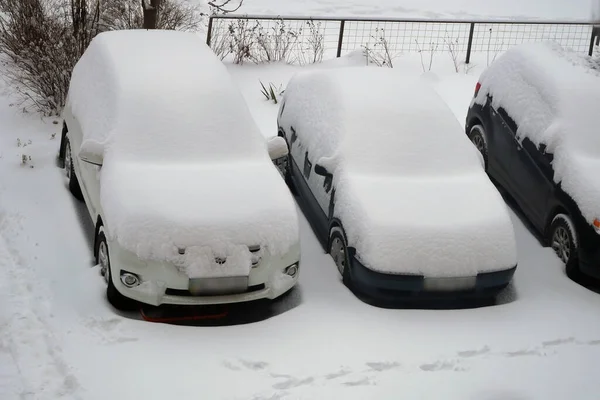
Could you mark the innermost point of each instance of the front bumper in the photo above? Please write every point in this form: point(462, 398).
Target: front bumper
point(163, 283)
point(405, 287)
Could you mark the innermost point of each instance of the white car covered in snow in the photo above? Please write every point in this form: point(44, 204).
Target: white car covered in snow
point(392, 187)
point(188, 206)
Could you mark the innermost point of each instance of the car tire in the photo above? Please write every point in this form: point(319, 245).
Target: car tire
point(74, 187)
point(115, 298)
point(288, 171)
point(338, 249)
point(478, 138)
point(563, 240)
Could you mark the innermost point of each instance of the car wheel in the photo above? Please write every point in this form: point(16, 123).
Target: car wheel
point(563, 240)
point(338, 249)
point(116, 299)
point(478, 138)
point(74, 187)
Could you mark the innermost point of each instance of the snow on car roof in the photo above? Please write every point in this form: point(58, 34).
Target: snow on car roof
point(159, 94)
point(553, 95)
point(377, 121)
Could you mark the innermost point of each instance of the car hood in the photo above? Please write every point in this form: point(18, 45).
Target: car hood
point(442, 226)
point(157, 210)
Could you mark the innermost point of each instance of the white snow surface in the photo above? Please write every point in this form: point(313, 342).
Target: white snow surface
point(60, 339)
point(410, 188)
point(184, 163)
point(553, 95)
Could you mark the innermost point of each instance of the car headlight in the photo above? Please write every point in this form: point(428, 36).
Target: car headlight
point(597, 225)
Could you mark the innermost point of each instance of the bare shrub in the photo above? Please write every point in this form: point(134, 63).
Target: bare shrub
point(242, 39)
point(379, 54)
point(453, 49)
point(312, 52)
point(221, 40)
point(173, 15)
point(42, 40)
point(493, 51)
point(276, 44)
point(432, 49)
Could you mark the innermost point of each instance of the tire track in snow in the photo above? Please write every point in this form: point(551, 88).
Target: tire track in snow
point(26, 333)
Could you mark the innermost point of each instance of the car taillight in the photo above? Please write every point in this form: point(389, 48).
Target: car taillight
point(597, 225)
point(477, 87)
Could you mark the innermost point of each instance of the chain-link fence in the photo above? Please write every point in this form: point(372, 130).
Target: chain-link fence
point(311, 39)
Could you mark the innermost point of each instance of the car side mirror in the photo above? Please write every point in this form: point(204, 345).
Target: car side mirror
point(92, 153)
point(321, 170)
point(277, 147)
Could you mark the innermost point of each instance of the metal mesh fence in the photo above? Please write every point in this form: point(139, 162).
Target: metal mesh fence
point(307, 40)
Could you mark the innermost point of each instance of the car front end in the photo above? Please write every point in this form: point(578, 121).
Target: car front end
point(159, 282)
point(406, 287)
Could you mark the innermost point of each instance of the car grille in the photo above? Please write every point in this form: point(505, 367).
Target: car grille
point(187, 293)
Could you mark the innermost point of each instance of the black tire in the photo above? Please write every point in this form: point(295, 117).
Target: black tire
point(563, 240)
point(337, 237)
point(74, 187)
point(478, 138)
point(115, 298)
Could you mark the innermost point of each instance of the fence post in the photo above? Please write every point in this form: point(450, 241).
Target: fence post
point(341, 38)
point(209, 34)
point(596, 37)
point(470, 43)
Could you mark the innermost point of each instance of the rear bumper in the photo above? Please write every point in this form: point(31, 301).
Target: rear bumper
point(405, 287)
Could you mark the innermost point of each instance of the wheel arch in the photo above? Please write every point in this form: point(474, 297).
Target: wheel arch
point(335, 223)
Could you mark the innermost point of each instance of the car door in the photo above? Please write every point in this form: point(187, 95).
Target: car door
point(89, 174)
point(533, 181)
point(502, 146)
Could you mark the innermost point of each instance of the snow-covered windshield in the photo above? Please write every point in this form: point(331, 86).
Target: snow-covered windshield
point(416, 134)
point(161, 95)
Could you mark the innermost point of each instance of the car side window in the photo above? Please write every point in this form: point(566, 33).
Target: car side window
point(307, 166)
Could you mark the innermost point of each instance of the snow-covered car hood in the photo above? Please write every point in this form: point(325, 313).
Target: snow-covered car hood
point(155, 210)
point(441, 226)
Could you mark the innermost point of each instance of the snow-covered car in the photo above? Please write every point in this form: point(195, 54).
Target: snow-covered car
point(188, 205)
point(535, 118)
point(393, 189)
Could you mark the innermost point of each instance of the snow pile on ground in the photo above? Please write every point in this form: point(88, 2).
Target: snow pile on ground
point(184, 163)
point(410, 188)
point(554, 96)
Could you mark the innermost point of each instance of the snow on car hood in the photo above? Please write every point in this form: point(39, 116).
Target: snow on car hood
point(154, 210)
point(443, 226)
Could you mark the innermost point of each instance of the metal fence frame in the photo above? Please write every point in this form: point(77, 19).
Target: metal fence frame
point(594, 38)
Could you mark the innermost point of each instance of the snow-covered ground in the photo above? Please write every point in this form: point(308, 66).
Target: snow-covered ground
point(512, 9)
point(60, 339)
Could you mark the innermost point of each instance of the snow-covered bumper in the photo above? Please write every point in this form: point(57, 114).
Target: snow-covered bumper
point(162, 283)
point(403, 286)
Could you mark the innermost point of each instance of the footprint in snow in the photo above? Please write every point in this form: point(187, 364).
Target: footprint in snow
point(558, 342)
point(291, 382)
point(438, 366)
point(254, 365)
point(362, 382)
point(474, 353)
point(523, 353)
point(338, 374)
point(382, 366)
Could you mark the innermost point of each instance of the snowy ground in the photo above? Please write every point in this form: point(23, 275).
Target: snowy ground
point(512, 9)
point(60, 339)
